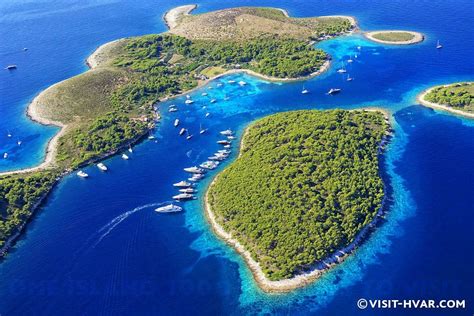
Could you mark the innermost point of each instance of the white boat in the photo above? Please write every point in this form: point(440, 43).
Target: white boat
point(359, 47)
point(231, 81)
point(5, 155)
point(438, 45)
point(231, 137)
point(356, 56)
point(208, 114)
point(224, 151)
point(189, 136)
point(227, 132)
point(209, 165)
point(172, 110)
point(102, 167)
point(189, 101)
point(10, 67)
point(226, 98)
point(187, 190)
point(334, 91)
point(151, 137)
point(196, 177)
point(194, 170)
point(82, 174)
point(125, 157)
point(170, 208)
point(182, 184)
point(227, 146)
point(304, 91)
point(349, 78)
point(213, 100)
point(350, 60)
point(202, 130)
point(182, 131)
point(18, 142)
point(9, 134)
point(183, 196)
point(242, 83)
point(204, 94)
point(176, 122)
point(188, 96)
point(219, 84)
point(342, 71)
point(130, 150)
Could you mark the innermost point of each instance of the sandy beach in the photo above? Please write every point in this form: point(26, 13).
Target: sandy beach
point(421, 99)
point(171, 17)
point(418, 37)
point(100, 55)
point(301, 280)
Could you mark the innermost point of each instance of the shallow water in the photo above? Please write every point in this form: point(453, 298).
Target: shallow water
point(98, 247)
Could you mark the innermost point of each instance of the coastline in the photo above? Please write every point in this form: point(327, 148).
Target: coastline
point(171, 17)
point(300, 280)
point(446, 108)
point(418, 37)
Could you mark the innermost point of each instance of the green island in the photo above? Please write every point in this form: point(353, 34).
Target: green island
point(395, 37)
point(457, 98)
point(112, 106)
point(303, 187)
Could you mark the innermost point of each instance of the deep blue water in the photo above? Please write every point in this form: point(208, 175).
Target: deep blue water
point(97, 247)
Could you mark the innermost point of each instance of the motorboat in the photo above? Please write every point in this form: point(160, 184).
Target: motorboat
point(170, 208)
point(82, 174)
point(182, 184)
point(102, 167)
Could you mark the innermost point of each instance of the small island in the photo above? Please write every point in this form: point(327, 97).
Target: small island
point(395, 37)
point(302, 193)
point(115, 103)
point(456, 98)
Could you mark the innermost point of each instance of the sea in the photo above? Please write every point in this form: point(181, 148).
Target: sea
point(97, 247)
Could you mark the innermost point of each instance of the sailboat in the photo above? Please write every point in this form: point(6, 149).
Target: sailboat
point(350, 59)
point(342, 70)
point(9, 134)
point(202, 130)
point(349, 78)
point(304, 91)
point(438, 45)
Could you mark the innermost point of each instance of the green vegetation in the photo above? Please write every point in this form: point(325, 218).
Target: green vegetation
point(305, 184)
point(459, 96)
point(394, 36)
point(18, 195)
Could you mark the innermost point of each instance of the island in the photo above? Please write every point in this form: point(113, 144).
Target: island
point(457, 98)
point(395, 37)
point(302, 194)
point(115, 104)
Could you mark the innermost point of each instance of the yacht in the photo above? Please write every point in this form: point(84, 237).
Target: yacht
point(182, 184)
point(5, 155)
point(223, 142)
point(125, 157)
point(176, 122)
point(182, 131)
point(204, 94)
point(170, 208)
point(304, 91)
point(10, 67)
point(189, 101)
point(231, 81)
point(438, 45)
point(187, 190)
point(208, 114)
point(183, 196)
point(101, 166)
point(227, 132)
point(189, 136)
point(242, 83)
point(194, 170)
point(213, 100)
point(173, 110)
point(209, 165)
point(334, 91)
point(82, 174)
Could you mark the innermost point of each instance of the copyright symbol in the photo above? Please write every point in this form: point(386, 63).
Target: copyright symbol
point(362, 303)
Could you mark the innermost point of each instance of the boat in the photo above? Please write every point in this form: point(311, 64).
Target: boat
point(182, 184)
point(25, 49)
point(183, 196)
point(349, 78)
point(189, 101)
point(213, 100)
point(334, 91)
point(227, 146)
point(125, 157)
point(151, 137)
point(231, 81)
point(204, 94)
point(359, 47)
point(176, 122)
point(187, 190)
point(224, 151)
point(342, 70)
point(226, 98)
point(173, 110)
point(242, 83)
point(182, 131)
point(5, 155)
point(223, 142)
point(172, 106)
point(10, 67)
point(130, 150)
point(196, 177)
point(188, 96)
point(350, 59)
point(9, 134)
point(189, 136)
point(438, 45)
point(219, 84)
point(209, 165)
point(208, 114)
point(227, 132)
point(102, 167)
point(231, 137)
point(170, 208)
point(356, 56)
point(304, 91)
point(82, 174)
point(202, 130)
point(19, 142)
point(194, 170)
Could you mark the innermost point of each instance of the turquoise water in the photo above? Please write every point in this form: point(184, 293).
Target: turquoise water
point(97, 247)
